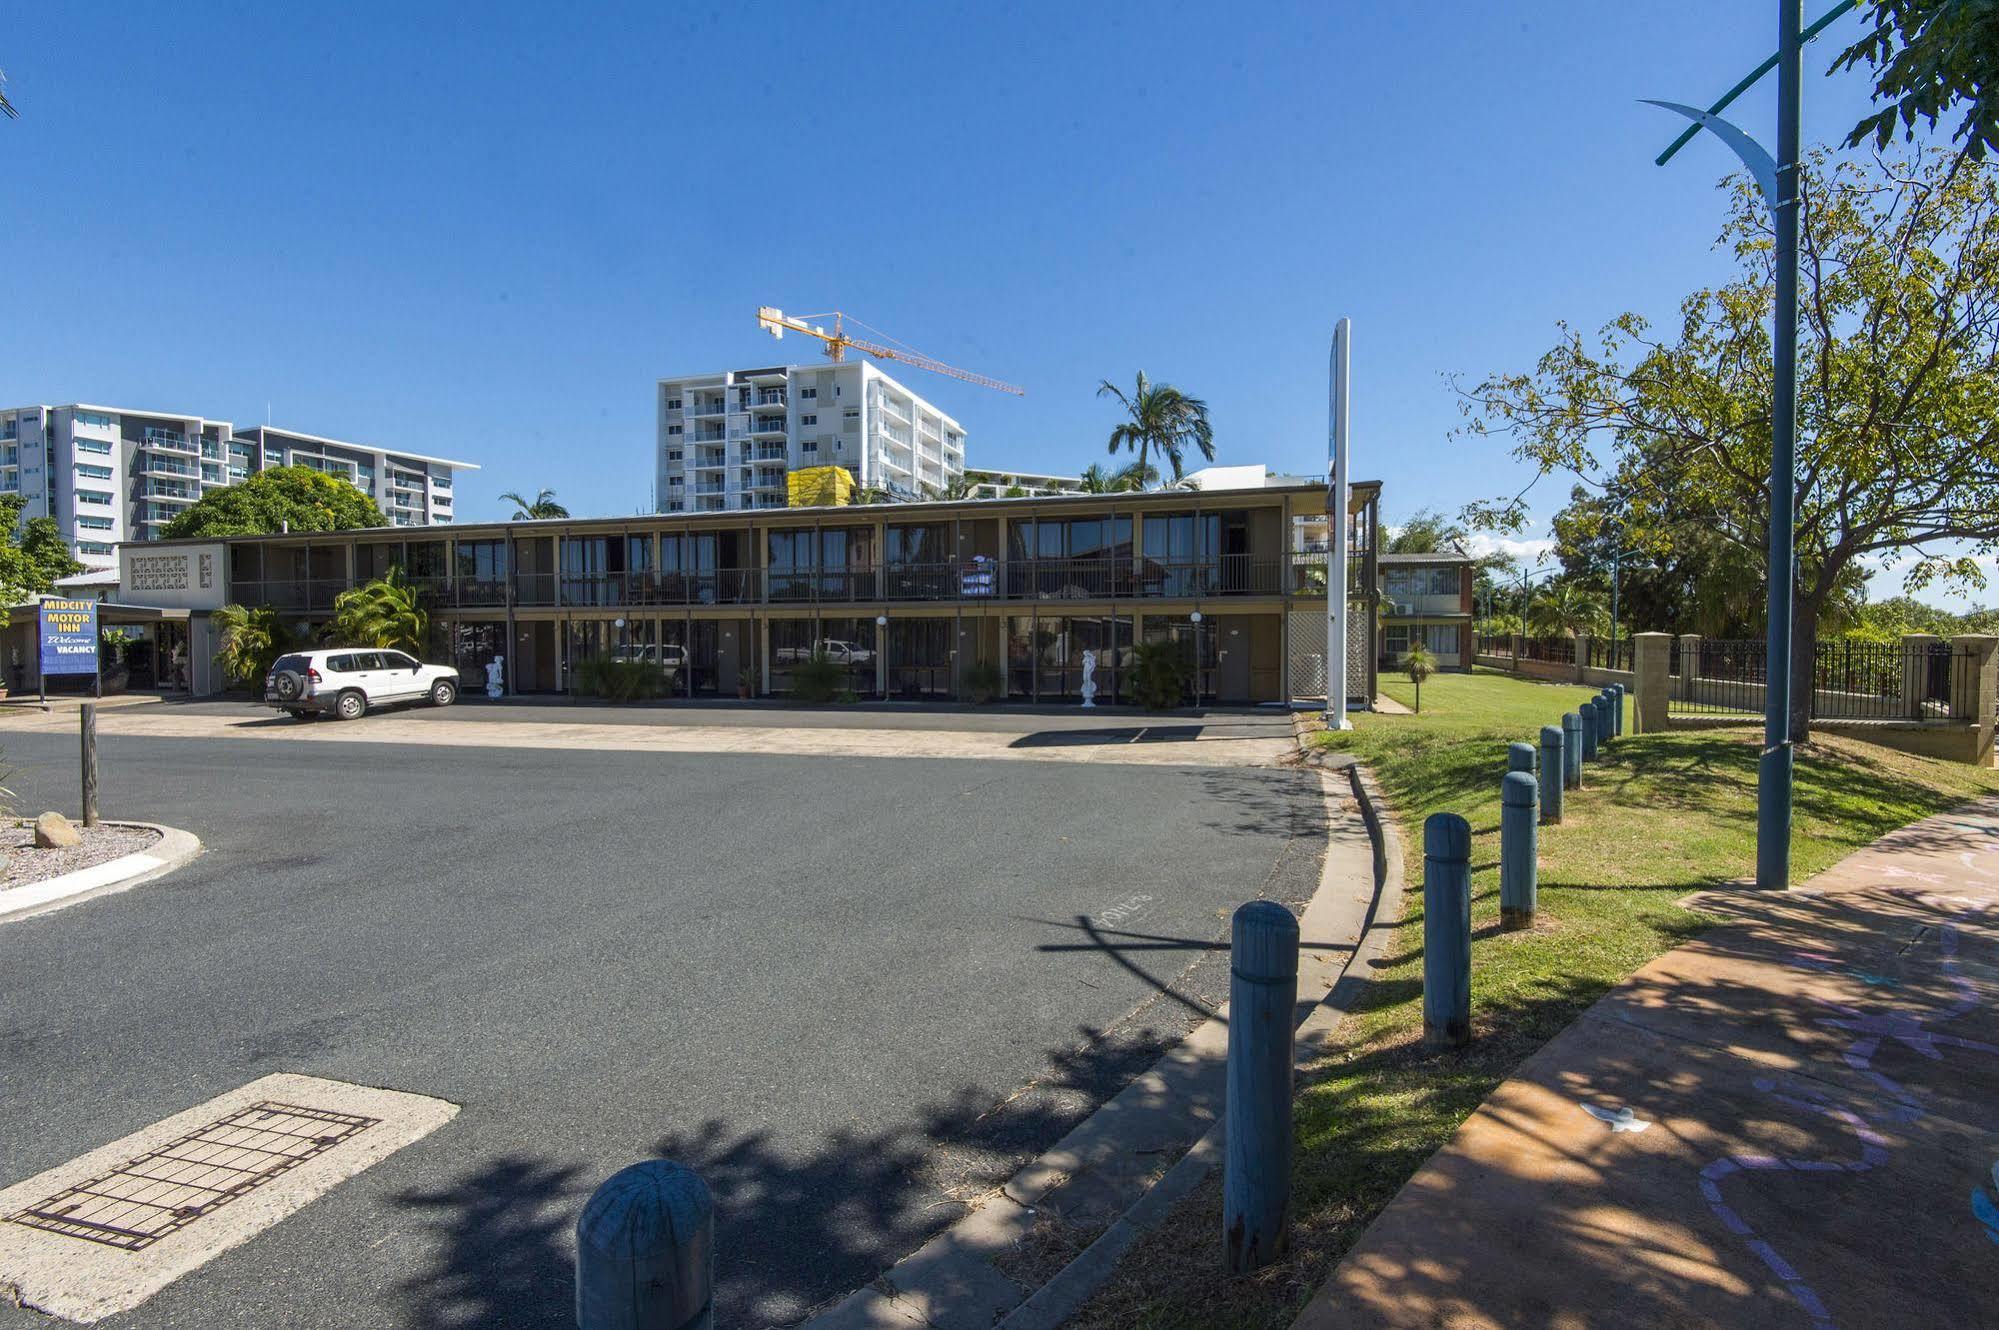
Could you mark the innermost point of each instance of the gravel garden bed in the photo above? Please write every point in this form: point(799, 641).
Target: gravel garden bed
point(101, 843)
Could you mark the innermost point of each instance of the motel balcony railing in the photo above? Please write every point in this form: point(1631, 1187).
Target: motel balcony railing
point(970, 580)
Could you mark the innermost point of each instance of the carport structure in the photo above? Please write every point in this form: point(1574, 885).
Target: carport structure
point(161, 662)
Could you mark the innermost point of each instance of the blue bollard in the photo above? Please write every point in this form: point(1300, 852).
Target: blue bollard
point(1520, 757)
point(1604, 724)
point(1256, 1169)
point(1617, 700)
point(1446, 931)
point(645, 1251)
point(1586, 713)
point(1518, 797)
point(1552, 770)
point(1572, 751)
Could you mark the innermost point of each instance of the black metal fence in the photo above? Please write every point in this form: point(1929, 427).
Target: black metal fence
point(1493, 644)
point(1605, 654)
point(1914, 682)
point(1549, 650)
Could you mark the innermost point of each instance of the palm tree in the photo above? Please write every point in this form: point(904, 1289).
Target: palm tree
point(7, 107)
point(1096, 480)
point(542, 505)
point(957, 487)
point(387, 612)
point(252, 639)
point(1135, 476)
point(1421, 665)
point(1567, 609)
point(1162, 418)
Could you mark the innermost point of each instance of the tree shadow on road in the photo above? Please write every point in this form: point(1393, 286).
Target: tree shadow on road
point(508, 1257)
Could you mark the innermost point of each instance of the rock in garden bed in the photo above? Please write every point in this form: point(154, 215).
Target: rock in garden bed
point(26, 863)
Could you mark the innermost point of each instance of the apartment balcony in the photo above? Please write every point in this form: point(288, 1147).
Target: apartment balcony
point(164, 466)
point(768, 400)
point(709, 436)
point(892, 411)
point(211, 451)
point(166, 441)
point(169, 494)
point(766, 452)
point(714, 408)
point(711, 487)
point(766, 426)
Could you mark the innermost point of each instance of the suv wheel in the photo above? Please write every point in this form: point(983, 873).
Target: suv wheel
point(443, 693)
point(288, 685)
point(351, 706)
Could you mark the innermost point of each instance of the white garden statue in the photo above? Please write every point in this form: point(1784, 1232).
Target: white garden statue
point(1089, 678)
point(496, 677)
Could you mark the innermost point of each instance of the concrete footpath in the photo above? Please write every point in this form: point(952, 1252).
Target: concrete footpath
point(1791, 1122)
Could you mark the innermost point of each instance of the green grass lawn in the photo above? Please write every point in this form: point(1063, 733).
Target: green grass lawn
point(1658, 816)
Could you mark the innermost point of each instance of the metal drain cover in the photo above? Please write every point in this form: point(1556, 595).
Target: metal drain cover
point(144, 1199)
point(107, 1230)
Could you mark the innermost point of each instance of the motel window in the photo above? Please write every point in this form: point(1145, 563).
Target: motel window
point(808, 394)
point(673, 429)
point(1404, 582)
point(94, 496)
point(92, 446)
point(808, 420)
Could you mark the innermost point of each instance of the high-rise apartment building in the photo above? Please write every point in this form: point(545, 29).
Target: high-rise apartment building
point(729, 440)
point(109, 475)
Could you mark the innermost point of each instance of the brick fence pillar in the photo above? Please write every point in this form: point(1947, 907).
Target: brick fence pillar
point(1651, 660)
point(1974, 692)
point(1582, 656)
point(1517, 640)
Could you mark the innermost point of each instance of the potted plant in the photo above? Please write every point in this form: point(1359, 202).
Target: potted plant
point(115, 650)
point(746, 680)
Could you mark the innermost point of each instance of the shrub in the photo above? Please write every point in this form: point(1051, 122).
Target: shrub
point(818, 679)
point(619, 680)
point(1159, 675)
point(985, 682)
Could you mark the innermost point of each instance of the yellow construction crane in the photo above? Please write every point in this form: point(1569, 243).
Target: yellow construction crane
point(774, 321)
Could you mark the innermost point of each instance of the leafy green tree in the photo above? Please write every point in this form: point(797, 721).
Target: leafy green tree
point(251, 640)
point(1162, 419)
point(1425, 532)
point(31, 563)
point(1898, 445)
point(283, 498)
point(387, 612)
point(1420, 665)
point(1931, 57)
point(542, 505)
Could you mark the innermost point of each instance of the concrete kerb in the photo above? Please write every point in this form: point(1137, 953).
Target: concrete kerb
point(950, 1281)
point(174, 848)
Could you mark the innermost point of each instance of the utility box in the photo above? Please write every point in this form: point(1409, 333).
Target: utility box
point(819, 487)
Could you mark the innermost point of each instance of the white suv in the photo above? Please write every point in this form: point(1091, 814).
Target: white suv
point(346, 681)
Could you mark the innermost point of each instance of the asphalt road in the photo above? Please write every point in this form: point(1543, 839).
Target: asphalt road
point(848, 991)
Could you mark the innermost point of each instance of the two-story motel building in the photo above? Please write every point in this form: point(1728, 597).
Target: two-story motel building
point(912, 594)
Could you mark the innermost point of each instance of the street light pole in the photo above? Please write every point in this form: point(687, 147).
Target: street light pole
point(1774, 773)
point(1780, 183)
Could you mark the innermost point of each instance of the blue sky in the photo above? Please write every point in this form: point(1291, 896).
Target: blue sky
point(484, 231)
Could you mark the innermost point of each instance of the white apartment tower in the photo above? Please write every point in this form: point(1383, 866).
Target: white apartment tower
point(729, 440)
point(109, 475)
